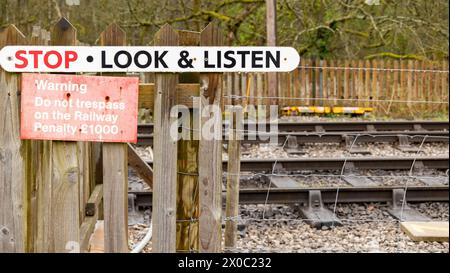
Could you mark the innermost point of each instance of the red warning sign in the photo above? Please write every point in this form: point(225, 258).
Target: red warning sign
point(79, 108)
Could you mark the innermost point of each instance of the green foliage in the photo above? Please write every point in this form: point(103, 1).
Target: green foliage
point(316, 28)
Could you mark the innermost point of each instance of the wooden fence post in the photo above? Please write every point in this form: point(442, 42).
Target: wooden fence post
point(188, 167)
point(271, 23)
point(233, 176)
point(65, 180)
point(13, 180)
point(40, 177)
point(115, 172)
point(165, 151)
point(210, 151)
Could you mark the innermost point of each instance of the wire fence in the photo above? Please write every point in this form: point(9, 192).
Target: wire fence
point(242, 219)
point(361, 83)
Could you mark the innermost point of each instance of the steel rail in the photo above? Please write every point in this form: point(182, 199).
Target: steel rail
point(337, 126)
point(363, 163)
point(333, 137)
point(333, 132)
point(346, 195)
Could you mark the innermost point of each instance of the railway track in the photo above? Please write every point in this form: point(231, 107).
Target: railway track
point(284, 190)
point(376, 163)
point(345, 195)
point(334, 132)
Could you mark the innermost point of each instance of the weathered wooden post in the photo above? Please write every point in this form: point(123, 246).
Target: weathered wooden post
point(271, 26)
point(115, 172)
point(39, 177)
point(210, 151)
point(165, 151)
point(65, 173)
point(13, 180)
point(233, 176)
point(187, 164)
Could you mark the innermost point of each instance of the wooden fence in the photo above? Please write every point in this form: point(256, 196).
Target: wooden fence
point(390, 86)
point(53, 192)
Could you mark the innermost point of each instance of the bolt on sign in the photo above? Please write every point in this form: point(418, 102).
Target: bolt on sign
point(148, 59)
point(79, 108)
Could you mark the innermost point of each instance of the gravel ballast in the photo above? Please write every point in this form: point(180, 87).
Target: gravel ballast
point(367, 227)
point(376, 231)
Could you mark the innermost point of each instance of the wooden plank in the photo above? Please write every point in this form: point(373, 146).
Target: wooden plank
point(115, 201)
point(188, 38)
point(339, 72)
point(65, 216)
point(373, 91)
point(259, 90)
point(430, 92)
point(237, 86)
point(187, 211)
point(140, 166)
point(388, 94)
point(66, 174)
point(360, 93)
point(282, 90)
point(416, 81)
point(296, 86)
point(289, 88)
point(39, 180)
point(317, 82)
point(184, 92)
point(92, 209)
point(244, 89)
point(444, 79)
point(115, 172)
point(381, 84)
point(404, 92)
point(309, 82)
point(367, 83)
point(346, 93)
point(232, 194)
point(303, 88)
point(354, 83)
point(325, 86)
point(437, 86)
point(210, 161)
point(252, 79)
point(165, 151)
point(426, 231)
point(332, 92)
point(229, 86)
point(409, 80)
point(396, 80)
point(424, 85)
point(13, 174)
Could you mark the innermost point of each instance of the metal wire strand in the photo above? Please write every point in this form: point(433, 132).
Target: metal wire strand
point(334, 99)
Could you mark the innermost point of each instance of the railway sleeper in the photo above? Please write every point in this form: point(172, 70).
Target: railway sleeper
point(356, 181)
point(350, 144)
point(434, 181)
point(245, 148)
point(292, 147)
point(316, 214)
point(404, 146)
point(402, 212)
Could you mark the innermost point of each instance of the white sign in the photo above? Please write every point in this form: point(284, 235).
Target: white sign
point(147, 59)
